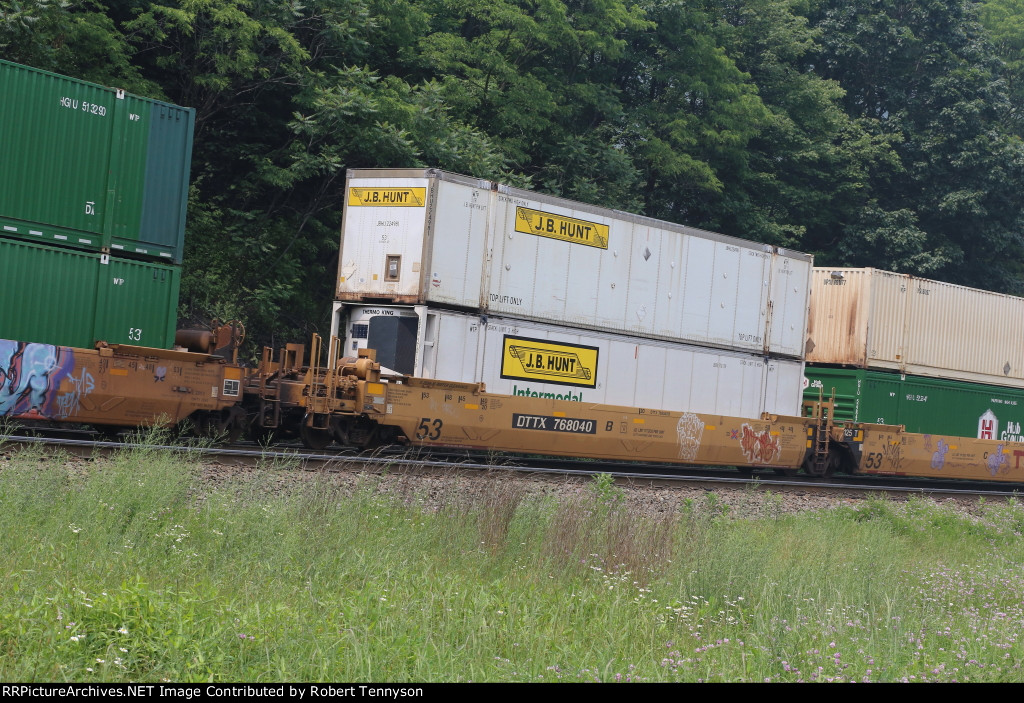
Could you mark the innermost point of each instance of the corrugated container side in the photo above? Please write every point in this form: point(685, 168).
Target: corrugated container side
point(551, 259)
point(154, 181)
point(61, 296)
point(48, 294)
point(137, 303)
point(56, 136)
point(109, 168)
point(857, 317)
point(977, 334)
point(837, 325)
point(520, 357)
point(883, 320)
point(923, 405)
point(888, 323)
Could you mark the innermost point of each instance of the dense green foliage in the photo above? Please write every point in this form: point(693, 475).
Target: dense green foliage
point(868, 132)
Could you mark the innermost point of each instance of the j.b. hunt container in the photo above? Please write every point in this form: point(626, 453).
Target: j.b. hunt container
point(423, 236)
point(527, 358)
point(924, 405)
point(91, 167)
point(55, 295)
point(873, 319)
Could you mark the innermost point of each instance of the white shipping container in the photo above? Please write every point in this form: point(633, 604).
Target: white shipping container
point(520, 357)
point(877, 319)
point(429, 237)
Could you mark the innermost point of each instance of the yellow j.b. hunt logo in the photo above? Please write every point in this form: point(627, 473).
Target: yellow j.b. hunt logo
point(387, 197)
point(568, 229)
point(537, 360)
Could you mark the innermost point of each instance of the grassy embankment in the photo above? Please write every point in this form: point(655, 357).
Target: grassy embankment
point(137, 570)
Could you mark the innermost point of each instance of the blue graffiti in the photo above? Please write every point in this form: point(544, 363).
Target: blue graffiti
point(70, 403)
point(997, 460)
point(30, 375)
point(939, 457)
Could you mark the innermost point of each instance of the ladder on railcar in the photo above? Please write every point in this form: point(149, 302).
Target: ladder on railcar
point(821, 461)
point(320, 381)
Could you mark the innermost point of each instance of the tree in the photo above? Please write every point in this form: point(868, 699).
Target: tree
point(924, 75)
point(284, 107)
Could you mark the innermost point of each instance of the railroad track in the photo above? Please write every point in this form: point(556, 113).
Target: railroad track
point(444, 461)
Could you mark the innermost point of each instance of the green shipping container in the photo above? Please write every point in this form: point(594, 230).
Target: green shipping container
point(91, 167)
point(74, 298)
point(923, 405)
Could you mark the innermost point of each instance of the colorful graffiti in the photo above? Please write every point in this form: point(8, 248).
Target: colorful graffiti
point(69, 403)
point(30, 376)
point(759, 447)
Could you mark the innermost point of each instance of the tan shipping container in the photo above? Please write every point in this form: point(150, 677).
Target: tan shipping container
point(875, 319)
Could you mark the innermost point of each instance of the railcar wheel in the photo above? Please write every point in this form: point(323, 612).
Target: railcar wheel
point(225, 427)
point(108, 433)
point(259, 433)
point(825, 469)
point(313, 438)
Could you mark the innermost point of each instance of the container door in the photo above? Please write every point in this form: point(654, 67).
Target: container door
point(890, 299)
point(790, 292)
point(783, 387)
point(459, 345)
point(383, 240)
point(136, 303)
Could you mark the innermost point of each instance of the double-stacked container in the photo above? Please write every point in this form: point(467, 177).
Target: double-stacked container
point(435, 267)
point(93, 195)
point(899, 349)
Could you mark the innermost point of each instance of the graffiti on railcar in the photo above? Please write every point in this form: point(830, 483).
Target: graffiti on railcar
point(892, 454)
point(759, 447)
point(30, 379)
point(70, 402)
point(689, 431)
point(997, 461)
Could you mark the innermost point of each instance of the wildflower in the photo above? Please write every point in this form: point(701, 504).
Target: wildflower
point(123, 630)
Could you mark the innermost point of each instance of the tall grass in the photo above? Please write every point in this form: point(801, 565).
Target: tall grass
point(137, 569)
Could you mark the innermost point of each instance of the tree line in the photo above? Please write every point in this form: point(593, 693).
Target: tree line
point(880, 133)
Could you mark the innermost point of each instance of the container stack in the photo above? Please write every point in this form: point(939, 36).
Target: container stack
point(936, 357)
point(93, 195)
point(462, 279)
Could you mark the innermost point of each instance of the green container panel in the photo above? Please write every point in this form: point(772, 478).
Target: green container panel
point(137, 303)
point(74, 298)
point(92, 167)
point(923, 405)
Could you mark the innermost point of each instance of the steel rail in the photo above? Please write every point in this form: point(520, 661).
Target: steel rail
point(311, 461)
